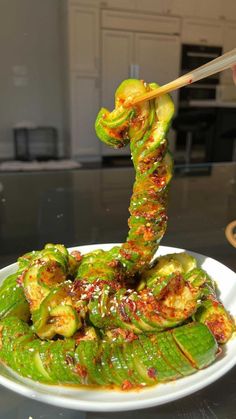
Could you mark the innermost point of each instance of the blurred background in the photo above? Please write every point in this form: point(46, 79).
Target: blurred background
point(61, 60)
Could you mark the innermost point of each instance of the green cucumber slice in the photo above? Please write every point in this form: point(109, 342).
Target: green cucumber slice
point(213, 314)
point(171, 352)
point(197, 343)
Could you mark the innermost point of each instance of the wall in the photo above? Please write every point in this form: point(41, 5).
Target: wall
point(30, 70)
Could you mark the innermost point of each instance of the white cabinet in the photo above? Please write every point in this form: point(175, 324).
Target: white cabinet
point(229, 41)
point(119, 4)
point(117, 56)
point(160, 6)
point(206, 32)
point(157, 56)
point(152, 57)
point(228, 9)
point(83, 46)
point(206, 9)
point(84, 107)
point(140, 22)
point(84, 39)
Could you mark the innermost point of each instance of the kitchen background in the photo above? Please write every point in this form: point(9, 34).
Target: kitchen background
point(62, 60)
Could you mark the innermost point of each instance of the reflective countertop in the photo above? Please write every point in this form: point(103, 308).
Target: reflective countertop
point(90, 205)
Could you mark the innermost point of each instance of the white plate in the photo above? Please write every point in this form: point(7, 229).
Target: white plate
point(100, 400)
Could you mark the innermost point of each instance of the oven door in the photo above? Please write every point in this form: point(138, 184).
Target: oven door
point(194, 56)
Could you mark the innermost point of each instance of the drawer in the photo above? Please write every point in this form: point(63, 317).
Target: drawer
point(202, 32)
point(140, 22)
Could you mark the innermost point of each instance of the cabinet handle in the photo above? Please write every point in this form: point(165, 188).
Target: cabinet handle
point(134, 71)
point(131, 71)
point(203, 40)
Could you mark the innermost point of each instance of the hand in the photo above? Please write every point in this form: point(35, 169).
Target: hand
point(234, 73)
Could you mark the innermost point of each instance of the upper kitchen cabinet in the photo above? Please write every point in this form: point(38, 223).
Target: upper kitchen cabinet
point(185, 8)
point(133, 50)
point(228, 9)
point(206, 9)
point(160, 6)
point(119, 4)
point(199, 31)
point(140, 22)
point(84, 39)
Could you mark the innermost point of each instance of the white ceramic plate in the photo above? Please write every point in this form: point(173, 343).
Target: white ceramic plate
point(100, 400)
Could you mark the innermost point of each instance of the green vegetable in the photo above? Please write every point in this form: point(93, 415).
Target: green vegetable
point(145, 127)
point(212, 313)
point(47, 270)
point(12, 299)
point(91, 360)
point(56, 315)
point(115, 318)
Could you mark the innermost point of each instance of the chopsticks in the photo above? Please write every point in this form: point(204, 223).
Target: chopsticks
point(215, 66)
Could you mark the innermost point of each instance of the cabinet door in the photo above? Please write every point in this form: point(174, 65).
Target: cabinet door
point(84, 39)
point(206, 32)
point(117, 49)
point(119, 4)
point(84, 108)
point(160, 6)
point(206, 9)
point(158, 59)
point(228, 44)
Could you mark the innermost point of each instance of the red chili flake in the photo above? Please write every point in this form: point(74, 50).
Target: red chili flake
point(130, 336)
point(217, 326)
point(125, 254)
point(113, 263)
point(20, 279)
point(152, 373)
point(127, 385)
point(190, 81)
point(81, 370)
point(77, 255)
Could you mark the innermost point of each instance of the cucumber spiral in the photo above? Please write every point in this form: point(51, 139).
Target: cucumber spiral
point(93, 360)
point(109, 318)
point(145, 127)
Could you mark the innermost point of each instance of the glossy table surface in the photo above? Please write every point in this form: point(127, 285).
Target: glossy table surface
point(90, 205)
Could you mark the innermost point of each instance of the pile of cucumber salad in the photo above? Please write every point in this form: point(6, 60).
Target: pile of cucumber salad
point(119, 319)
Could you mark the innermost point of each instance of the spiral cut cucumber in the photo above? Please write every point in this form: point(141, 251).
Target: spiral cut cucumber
point(91, 360)
point(145, 128)
point(117, 317)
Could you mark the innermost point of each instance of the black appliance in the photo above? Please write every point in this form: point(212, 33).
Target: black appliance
point(38, 143)
point(194, 56)
point(195, 122)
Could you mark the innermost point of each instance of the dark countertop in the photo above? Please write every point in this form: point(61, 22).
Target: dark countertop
point(88, 206)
